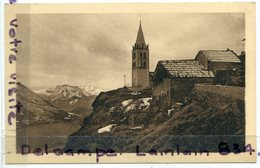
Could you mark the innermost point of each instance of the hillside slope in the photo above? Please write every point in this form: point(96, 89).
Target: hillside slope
point(123, 119)
point(36, 110)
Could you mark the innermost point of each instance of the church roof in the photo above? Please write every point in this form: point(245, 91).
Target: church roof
point(220, 55)
point(185, 68)
point(140, 35)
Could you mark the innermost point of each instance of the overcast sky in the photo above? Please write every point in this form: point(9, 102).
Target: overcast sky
point(95, 49)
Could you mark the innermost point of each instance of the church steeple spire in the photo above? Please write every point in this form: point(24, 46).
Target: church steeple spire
point(140, 35)
point(140, 62)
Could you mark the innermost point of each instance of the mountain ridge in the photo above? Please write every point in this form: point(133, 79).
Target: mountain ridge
point(36, 110)
point(86, 90)
point(74, 99)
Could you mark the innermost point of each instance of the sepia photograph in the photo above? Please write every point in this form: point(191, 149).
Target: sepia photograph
point(127, 82)
point(130, 83)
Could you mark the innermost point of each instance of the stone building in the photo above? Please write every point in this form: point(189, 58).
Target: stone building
point(173, 80)
point(140, 62)
point(223, 63)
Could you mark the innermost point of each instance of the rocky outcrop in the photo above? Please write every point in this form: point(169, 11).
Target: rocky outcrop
point(123, 119)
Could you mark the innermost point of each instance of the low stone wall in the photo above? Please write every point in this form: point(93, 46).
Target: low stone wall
point(228, 91)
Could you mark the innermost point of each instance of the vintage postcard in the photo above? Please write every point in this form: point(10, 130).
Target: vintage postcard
point(130, 83)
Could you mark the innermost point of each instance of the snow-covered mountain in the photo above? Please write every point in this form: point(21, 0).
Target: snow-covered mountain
point(90, 89)
point(65, 92)
point(70, 98)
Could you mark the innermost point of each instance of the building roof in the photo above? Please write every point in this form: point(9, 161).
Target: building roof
point(140, 35)
point(185, 68)
point(220, 55)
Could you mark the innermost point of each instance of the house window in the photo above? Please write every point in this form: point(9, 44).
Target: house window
point(144, 55)
point(144, 64)
point(141, 55)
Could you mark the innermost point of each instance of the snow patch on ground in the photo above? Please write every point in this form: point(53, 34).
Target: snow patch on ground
point(138, 127)
point(106, 128)
point(123, 119)
point(179, 104)
point(146, 102)
point(74, 101)
point(135, 93)
point(70, 116)
point(111, 110)
point(142, 103)
point(129, 108)
point(169, 111)
point(126, 102)
point(73, 114)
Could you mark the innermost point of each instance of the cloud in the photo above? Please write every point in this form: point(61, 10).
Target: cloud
point(95, 49)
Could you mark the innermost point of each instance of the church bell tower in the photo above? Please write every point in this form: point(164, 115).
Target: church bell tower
point(140, 62)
